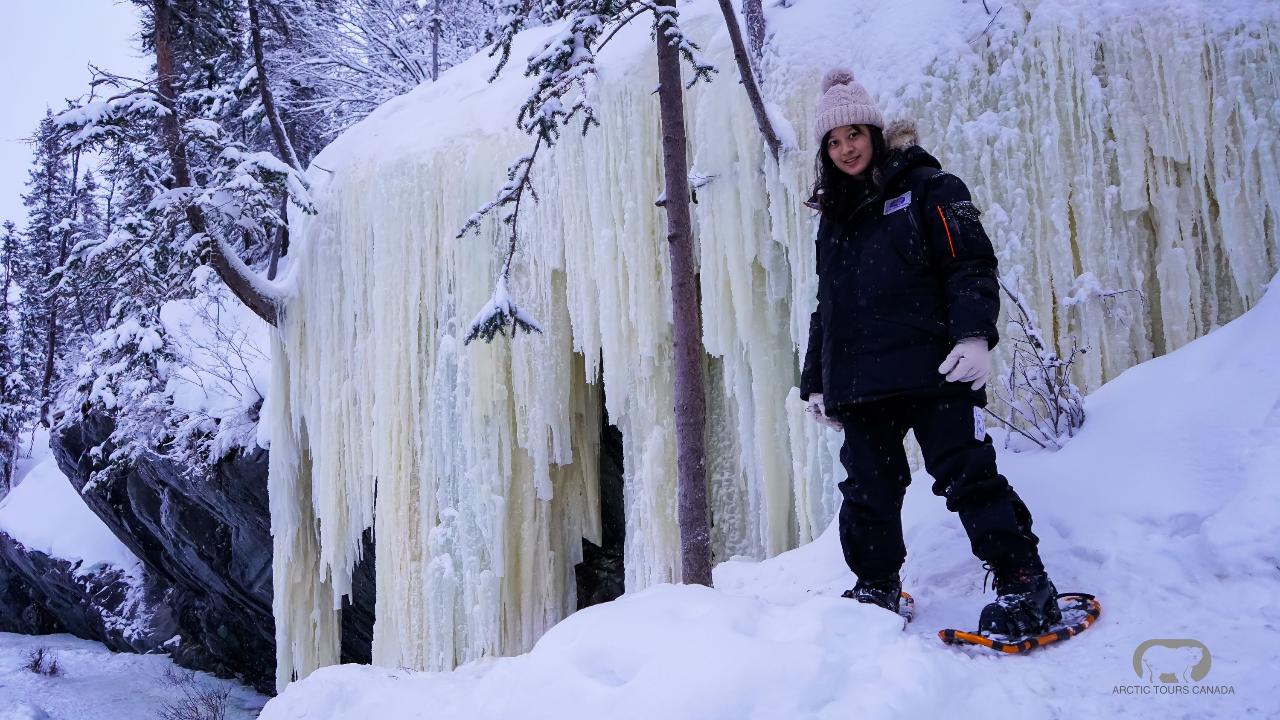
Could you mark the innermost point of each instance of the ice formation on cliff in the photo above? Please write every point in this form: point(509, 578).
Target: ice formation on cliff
point(1110, 150)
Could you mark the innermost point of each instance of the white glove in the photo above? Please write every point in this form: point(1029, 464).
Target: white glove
point(819, 412)
point(968, 361)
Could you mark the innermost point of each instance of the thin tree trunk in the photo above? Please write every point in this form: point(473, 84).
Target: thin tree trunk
point(280, 244)
point(51, 334)
point(8, 277)
point(283, 145)
point(435, 43)
point(753, 15)
point(690, 395)
point(230, 268)
point(748, 74)
point(8, 434)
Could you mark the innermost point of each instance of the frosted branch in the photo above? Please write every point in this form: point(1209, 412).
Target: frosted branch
point(498, 313)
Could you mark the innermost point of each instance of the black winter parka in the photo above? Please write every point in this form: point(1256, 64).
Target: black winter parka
point(908, 274)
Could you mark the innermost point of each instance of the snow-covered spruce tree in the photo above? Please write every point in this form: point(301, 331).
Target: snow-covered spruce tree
point(87, 300)
point(561, 69)
point(50, 198)
point(195, 181)
point(15, 392)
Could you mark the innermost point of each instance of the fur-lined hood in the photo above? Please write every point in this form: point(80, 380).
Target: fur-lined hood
point(901, 134)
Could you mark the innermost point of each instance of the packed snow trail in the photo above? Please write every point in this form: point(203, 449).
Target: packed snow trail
point(1164, 506)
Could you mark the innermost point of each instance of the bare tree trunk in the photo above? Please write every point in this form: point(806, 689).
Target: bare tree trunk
point(435, 43)
point(283, 146)
point(264, 89)
point(753, 14)
point(280, 244)
point(51, 333)
point(230, 268)
point(8, 434)
point(748, 74)
point(691, 402)
point(8, 277)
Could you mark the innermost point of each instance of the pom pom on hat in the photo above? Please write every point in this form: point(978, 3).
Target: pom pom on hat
point(844, 102)
point(836, 76)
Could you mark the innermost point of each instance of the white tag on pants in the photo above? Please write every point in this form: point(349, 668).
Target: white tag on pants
point(979, 425)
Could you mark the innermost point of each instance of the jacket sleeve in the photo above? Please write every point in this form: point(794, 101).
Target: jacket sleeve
point(811, 374)
point(963, 253)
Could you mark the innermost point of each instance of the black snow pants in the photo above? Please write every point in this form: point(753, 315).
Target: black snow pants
point(960, 457)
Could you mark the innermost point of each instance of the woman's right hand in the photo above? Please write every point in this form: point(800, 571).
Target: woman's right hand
point(818, 410)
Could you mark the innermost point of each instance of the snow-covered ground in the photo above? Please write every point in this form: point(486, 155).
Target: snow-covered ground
point(96, 684)
point(1166, 507)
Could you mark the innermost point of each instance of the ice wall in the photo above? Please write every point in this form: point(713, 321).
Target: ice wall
point(1110, 150)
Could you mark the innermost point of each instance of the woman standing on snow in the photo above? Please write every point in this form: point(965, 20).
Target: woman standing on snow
point(901, 339)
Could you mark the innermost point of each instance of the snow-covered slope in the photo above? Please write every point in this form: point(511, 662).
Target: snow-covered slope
point(1165, 506)
point(96, 684)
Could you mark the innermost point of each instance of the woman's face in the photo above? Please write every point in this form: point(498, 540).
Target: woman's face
point(849, 147)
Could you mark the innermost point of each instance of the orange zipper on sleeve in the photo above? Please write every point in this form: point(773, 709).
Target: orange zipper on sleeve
point(947, 228)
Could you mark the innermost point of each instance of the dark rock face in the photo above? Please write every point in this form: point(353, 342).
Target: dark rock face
point(39, 594)
point(207, 536)
point(600, 576)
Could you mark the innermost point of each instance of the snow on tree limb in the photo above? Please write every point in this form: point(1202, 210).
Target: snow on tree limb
point(500, 311)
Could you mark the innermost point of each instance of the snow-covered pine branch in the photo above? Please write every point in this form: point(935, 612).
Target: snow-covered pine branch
point(496, 314)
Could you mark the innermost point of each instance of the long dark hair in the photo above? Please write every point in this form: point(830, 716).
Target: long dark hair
point(836, 193)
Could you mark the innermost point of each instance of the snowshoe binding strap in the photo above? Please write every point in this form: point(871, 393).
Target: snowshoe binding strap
point(1082, 609)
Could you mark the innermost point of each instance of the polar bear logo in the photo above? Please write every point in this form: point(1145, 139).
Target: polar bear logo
point(1172, 661)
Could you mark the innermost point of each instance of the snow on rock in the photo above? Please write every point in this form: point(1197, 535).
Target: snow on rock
point(94, 683)
point(1134, 141)
point(1163, 507)
point(62, 568)
point(45, 513)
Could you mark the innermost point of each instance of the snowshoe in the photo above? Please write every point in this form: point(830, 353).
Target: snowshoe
point(1075, 611)
point(887, 594)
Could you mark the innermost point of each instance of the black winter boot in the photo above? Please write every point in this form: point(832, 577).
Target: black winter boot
point(885, 593)
point(1027, 604)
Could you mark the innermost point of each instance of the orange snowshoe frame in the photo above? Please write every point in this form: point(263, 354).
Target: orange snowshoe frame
point(1084, 610)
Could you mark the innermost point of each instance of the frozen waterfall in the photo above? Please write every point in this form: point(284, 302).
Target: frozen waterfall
point(1112, 146)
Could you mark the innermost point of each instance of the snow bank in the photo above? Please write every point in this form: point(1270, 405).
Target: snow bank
point(1135, 141)
point(44, 513)
point(1164, 507)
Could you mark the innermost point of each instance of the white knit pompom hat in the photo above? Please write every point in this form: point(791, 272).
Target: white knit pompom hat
point(844, 102)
